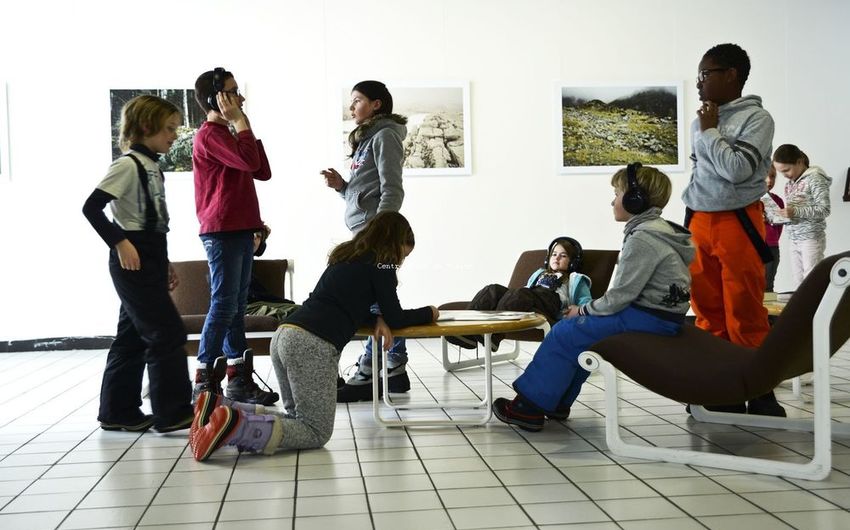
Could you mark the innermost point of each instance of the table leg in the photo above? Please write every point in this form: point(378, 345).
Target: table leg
point(484, 403)
point(509, 356)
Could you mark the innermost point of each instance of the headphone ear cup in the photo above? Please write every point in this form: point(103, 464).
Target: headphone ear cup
point(634, 199)
point(634, 202)
point(213, 103)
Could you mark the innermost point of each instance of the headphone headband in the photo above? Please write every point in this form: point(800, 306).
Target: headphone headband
point(217, 86)
point(575, 263)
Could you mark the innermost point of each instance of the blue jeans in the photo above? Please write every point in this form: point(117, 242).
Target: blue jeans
point(230, 259)
point(397, 352)
point(553, 379)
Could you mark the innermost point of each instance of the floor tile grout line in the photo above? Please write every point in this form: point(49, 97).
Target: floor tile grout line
point(428, 473)
point(100, 479)
point(646, 408)
point(618, 463)
point(64, 375)
point(65, 390)
point(295, 488)
point(359, 467)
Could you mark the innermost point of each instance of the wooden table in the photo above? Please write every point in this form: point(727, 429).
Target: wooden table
point(450, 328)
point(774, 308)
point(773, 305)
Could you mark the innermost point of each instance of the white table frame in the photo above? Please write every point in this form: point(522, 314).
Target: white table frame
point(481, 419)
point(479, 361)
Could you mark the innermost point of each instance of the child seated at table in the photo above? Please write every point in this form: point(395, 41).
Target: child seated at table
point(550, 290)
point(649, 294)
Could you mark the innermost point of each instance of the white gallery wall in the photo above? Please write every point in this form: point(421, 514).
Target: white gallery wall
point(60, 59)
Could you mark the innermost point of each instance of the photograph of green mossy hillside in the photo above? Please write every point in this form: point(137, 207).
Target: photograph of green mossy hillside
point(612, 126)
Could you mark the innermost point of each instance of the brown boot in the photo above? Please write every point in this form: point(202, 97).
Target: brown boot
point(241, 385)
point(209, 379)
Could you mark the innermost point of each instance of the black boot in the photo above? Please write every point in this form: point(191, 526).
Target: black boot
point(398, 381)
point(359, 386)
point(241, 385)
point(209, 379)
point(766, 405)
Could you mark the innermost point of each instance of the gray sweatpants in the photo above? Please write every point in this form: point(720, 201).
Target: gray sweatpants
point(306, 369)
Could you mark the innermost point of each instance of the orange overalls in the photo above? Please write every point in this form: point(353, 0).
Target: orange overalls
point(727, 277)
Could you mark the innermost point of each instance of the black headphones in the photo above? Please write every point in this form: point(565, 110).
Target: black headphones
point(575, 263)
point(217, 86)
point(635, 200)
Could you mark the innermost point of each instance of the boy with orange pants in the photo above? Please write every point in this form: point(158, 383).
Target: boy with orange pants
point(731, 148)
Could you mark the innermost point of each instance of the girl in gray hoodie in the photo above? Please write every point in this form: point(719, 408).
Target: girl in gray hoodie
point(807, 205)
point(374, 186)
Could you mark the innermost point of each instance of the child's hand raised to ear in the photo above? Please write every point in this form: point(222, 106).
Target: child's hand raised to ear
point(230, 110)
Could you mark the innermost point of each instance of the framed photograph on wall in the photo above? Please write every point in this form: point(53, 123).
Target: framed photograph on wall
point(439, 140)
point(601, 128)
point(5, 156)
point(179, 158)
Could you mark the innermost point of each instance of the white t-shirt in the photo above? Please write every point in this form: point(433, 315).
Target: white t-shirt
point(122, 181)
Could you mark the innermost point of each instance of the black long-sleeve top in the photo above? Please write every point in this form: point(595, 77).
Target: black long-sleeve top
point(340, 302)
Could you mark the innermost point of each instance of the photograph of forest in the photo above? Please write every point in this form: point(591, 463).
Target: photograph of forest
point(179, 159)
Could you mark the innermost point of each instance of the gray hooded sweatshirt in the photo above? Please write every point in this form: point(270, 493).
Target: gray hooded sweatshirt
point(809, 195)
point(731, 160)
point(652, 271)
point(375, 181)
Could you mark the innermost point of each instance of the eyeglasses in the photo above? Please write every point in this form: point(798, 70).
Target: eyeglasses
point(705, 73)
point(234, 92)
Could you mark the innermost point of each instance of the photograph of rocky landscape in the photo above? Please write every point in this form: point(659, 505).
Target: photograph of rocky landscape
point(613, 126)
point(436, 142)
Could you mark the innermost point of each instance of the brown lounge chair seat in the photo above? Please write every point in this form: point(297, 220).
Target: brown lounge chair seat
point(698, 368)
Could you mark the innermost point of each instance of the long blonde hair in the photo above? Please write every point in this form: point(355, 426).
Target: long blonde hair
point(143, 116)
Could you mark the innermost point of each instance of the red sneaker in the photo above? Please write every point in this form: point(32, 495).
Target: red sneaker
point(205, 404)
point(222, 424)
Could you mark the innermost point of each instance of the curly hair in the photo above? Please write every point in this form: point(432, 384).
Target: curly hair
point(731, 56)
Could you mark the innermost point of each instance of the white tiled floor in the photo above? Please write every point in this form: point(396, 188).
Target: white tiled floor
point(59, 470)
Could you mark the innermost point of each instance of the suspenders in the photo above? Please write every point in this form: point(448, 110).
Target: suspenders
point(151, 216)
point(750, 229)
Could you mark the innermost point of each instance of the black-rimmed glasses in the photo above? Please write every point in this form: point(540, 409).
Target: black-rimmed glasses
point(702, 74)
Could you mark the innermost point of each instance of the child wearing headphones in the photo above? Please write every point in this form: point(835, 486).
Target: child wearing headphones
point(550, 290)
point(649, 294)
point(226, 164)
point(150, 332)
